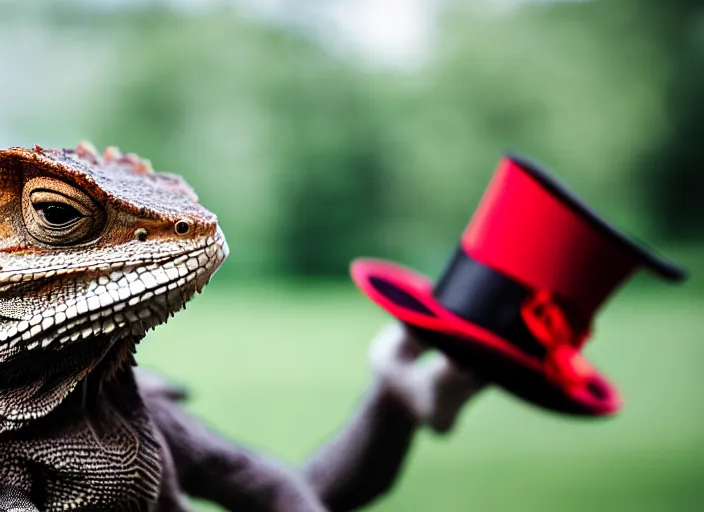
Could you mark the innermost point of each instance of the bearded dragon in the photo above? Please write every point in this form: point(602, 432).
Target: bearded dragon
point(97, 249)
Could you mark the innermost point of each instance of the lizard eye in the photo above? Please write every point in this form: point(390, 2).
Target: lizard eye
point(57, 213)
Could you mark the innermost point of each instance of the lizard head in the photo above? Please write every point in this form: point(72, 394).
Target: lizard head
point(94, 251)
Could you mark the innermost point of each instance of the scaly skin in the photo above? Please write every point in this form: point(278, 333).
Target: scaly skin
point(95, 251)
point(109, 284)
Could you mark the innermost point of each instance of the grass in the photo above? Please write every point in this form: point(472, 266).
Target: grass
point(280, 368)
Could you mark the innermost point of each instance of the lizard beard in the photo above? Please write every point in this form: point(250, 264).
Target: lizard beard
point(75, 320)
point(32, 387)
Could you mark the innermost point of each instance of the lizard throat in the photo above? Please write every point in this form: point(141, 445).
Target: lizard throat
point(43, 358)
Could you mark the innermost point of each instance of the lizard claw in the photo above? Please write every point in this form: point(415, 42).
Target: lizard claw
point(433, 389)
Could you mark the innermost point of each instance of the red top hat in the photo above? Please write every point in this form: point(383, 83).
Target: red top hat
point(518, 297)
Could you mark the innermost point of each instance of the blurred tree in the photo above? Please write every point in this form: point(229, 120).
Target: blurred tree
point(333, 197)
point(276, 133)
point(310, 159)
point(564, 84)
point(673, 166)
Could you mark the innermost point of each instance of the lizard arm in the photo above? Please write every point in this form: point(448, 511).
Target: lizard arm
point(13, 500)
point(171, 498)
point(365, 458)
point(359, 465)
point(211, 468)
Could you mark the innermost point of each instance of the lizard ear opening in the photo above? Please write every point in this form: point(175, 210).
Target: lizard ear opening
point(58, 214)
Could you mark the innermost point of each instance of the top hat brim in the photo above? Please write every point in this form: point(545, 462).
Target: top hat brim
point(408, 296)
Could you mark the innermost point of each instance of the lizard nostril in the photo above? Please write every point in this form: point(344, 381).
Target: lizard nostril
point(182, 227)
point(140, 234)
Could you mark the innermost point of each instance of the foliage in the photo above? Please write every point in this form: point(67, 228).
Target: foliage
point(311, 160)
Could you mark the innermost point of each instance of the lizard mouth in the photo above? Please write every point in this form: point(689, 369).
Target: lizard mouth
point(123, 304)
point(128, 301)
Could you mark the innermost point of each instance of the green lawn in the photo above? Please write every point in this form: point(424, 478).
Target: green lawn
point(282, 368)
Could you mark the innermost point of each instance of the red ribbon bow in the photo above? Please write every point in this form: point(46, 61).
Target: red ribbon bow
point(548, 323)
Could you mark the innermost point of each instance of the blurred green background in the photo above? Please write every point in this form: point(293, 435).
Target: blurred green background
point(320, 131)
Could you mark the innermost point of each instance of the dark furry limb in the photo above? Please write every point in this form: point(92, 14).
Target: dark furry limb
point(360, 464)
point(365, 459)
point(211, 468)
